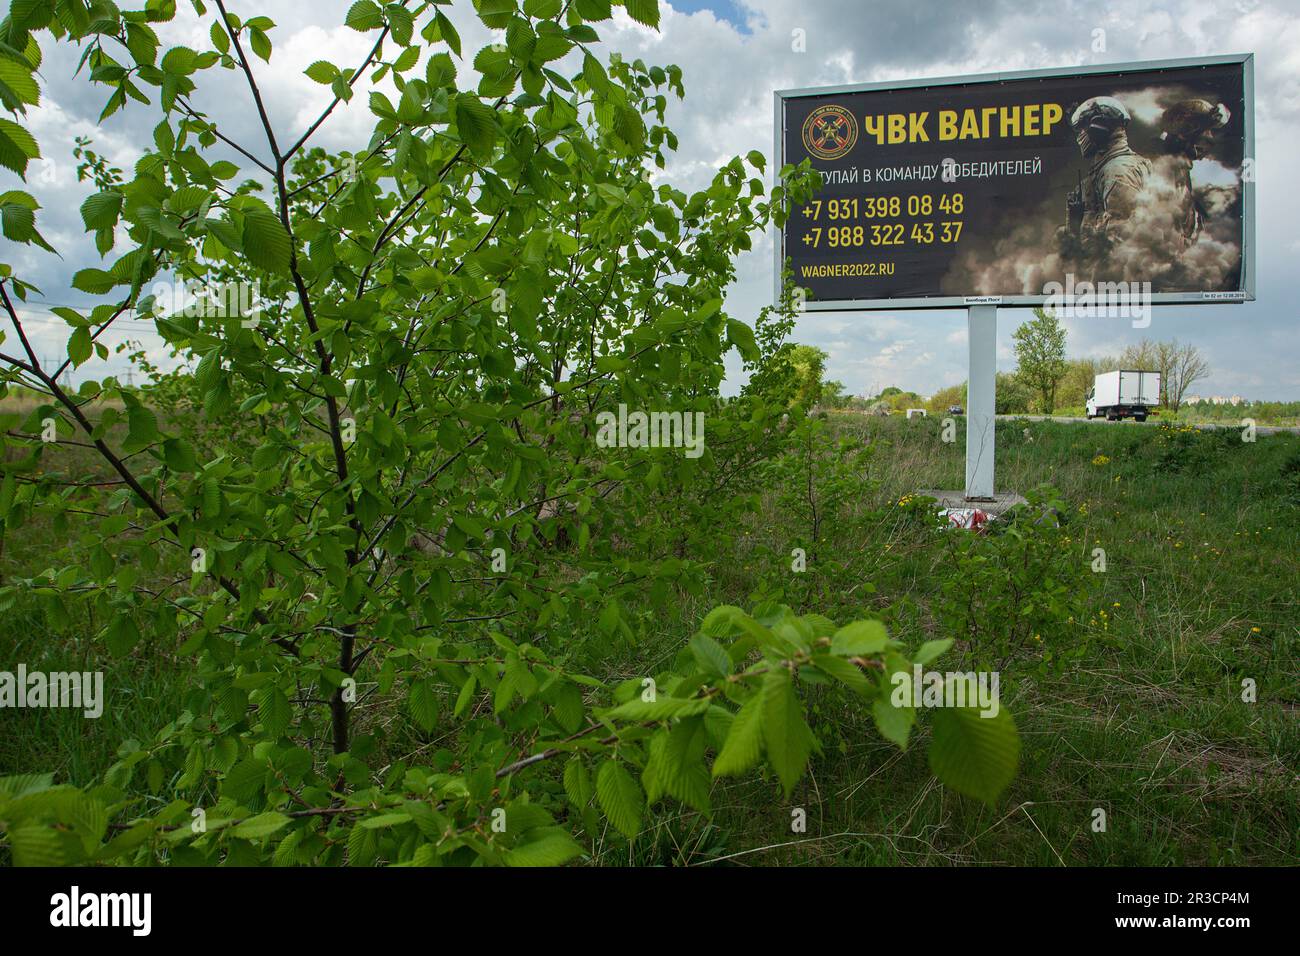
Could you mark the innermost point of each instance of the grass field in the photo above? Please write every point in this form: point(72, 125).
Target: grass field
point(1201, 533)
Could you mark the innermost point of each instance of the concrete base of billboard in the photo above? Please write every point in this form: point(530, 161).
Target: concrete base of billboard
point(1000, 503)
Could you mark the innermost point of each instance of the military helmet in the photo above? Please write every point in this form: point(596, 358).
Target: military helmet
point(1104, 113)
point(1189, 118)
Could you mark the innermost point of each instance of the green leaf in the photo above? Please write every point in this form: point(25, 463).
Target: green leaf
point(18, 86)
point(568, 708)
point(410, 107)
point(930, 650)
point(122, 635)
point(495, 13)
point(363, 844)
point(383, 821)
point(260, 43)
point(322, 71)
point(894, 723)
point(643, 11)
point(520, 39)
point(661, 708)
point(400, 23)
point(727, 620)
point(551, 46)
point(179, 455)
point(742, 337)
point(543, 9)
point(180, 61)
point(245, 780)
point(208, 371)
point(19, 219)
point(423, 703)
point(466, 696)
point(592, 10)
point(19, 785)
point(577, 782)
point(860, 639)
point(620, 797)
point(219, 38)
point(141, 427)
point(711, 656)
point(846, 672)
point(79, 345)
point(630, 127)
point(744, 744)
point(364, 15)
point(544, 846)
point(8, 489)
point(265, 241)
point(94, 281)
point(677, 764)
point(788, 739)
point(447, 31)
point(211, 499)
point(40, 845)
point(275, 712)
point(974, 755)
point(476, 122)
point(262, 825)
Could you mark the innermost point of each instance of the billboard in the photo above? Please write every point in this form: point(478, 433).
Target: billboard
point(1011, 187)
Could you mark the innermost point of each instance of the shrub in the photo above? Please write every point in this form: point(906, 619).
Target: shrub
point(395, 517)
point(1020, 591)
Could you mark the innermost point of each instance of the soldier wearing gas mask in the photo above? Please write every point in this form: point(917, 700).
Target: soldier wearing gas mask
point(1109, 193)
point(1188, 133)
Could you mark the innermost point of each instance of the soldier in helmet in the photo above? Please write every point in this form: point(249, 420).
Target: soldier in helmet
point(1188, 130)
point(1109, 193)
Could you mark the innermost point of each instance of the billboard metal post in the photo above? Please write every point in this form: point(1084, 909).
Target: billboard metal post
point(982, 325)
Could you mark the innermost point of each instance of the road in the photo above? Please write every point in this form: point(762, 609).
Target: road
point(1259, 429)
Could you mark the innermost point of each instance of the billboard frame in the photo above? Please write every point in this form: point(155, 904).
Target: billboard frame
point(1245, 294)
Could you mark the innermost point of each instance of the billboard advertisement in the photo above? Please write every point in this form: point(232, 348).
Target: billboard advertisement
point(1012, 187)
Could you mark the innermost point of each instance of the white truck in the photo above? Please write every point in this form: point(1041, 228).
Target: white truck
point(1126, 393)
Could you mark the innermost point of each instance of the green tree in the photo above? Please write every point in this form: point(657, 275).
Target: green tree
point(1179, 366)
point(1040, 357)
point(1182, 365)
point(1072, 392)
point(1011, 395)
point(833, 395)
point(809, 364)
point(388, 484)
point(901, 401)
point(945, 398)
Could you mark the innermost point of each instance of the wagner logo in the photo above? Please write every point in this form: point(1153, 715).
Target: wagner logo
point(829, 132)
point(102, 909)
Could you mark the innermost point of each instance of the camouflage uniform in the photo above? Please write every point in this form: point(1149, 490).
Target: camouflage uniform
point(1187, 131)
point(1108, 195)
point(1113, 185)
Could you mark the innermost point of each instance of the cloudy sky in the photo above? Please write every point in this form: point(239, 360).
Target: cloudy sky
point(734, 53)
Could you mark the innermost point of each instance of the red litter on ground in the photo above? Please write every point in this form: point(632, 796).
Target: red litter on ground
point(969, 519)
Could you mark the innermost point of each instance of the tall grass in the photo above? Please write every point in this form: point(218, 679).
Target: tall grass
point(1201, 533)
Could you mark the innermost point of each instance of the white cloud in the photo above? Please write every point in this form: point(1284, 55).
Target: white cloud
point(730, 76)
